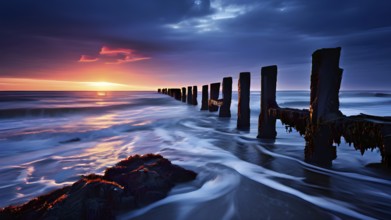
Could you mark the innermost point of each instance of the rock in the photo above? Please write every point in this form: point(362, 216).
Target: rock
point(130, 184)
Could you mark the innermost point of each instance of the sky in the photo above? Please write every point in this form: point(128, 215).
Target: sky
point(148, 44)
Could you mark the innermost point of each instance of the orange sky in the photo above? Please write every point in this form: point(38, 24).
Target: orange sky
point(21, 84)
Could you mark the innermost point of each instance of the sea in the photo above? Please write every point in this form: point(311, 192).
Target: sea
point(49, 139)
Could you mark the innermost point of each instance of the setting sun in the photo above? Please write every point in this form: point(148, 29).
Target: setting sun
point(105, 86)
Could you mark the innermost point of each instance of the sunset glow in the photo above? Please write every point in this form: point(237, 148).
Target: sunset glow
point(16, 84)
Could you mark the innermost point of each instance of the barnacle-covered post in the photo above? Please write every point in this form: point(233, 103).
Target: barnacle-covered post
point(267, 122)
point(189, 95)
point(184, 94)
point(214, 95)
point(324, 104)
point(225, 109)
point(194, 96)
point(205, 97)
point(244, 101)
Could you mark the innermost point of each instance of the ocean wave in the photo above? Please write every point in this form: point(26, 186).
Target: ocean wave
point(53, 112)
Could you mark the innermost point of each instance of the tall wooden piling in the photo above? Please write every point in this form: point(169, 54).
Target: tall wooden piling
point(159, 90)
point(267, 122)
point(214, 94)
point(177, 94)
point(184, 94)
point(189, 95)
point(225, 109)
point(244, 100)
point(324, 104)
point(326, 79)
point(194, 96)
point(205, 97)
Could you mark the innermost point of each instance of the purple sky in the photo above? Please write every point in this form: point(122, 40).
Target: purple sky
point(186, 42)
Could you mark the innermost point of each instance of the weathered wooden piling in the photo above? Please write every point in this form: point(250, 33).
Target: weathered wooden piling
point(194, 96)
point(214, 95)
point(159, 90)
point(244, 100)
point(267, 122)
point(177, 94)
point(326, 79)
point(184, 94)
point(225, 109)
point(205, 97)
point(189, 95)
point(324, 104)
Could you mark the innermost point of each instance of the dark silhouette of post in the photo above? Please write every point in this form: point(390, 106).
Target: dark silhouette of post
point(189, 95)
point(205, 97)
point(267, 122)
point(184, 94)
point(177, 94)
point(244, 100)
point(194, 96)
point(159, 90)
point(214, 94)
point(225, 109)
point(326, 79)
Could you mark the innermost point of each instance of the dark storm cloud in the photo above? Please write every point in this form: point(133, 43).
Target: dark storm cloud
point(194, 38)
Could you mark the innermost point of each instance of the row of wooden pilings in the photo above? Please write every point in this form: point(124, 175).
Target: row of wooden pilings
point(214, 104)
point(322, 124)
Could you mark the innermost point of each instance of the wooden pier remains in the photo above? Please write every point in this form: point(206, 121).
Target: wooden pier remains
point(225, 109)
point(244, 83)
point(190, 95)
point(205, 98)
point(194, 96)
point(213, 102)
point(322, 124)
point(183, 94)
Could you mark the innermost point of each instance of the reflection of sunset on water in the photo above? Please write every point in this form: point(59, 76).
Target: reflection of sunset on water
point(101, 93)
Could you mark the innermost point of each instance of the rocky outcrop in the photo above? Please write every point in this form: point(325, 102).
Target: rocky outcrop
point(130, 184)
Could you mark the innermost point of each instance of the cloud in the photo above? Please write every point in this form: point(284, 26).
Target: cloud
point(114, 52)
point(129, 59)
point(87, 59)
point(115, 56)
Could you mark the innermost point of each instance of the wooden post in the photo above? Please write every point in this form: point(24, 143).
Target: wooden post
point(159, 90)
point(214, 94)
point(324, 104)
point(184, 94)
point(267, 122)
point(225, 110)
point(189, 95)
point(194, 97)
point(177, 94)
point(326, 79)
point(244, 100)
point(205, 97)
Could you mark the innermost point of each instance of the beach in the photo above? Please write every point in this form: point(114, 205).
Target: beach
point(49, 139)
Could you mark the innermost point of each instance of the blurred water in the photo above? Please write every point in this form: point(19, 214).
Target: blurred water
point(49, 139)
